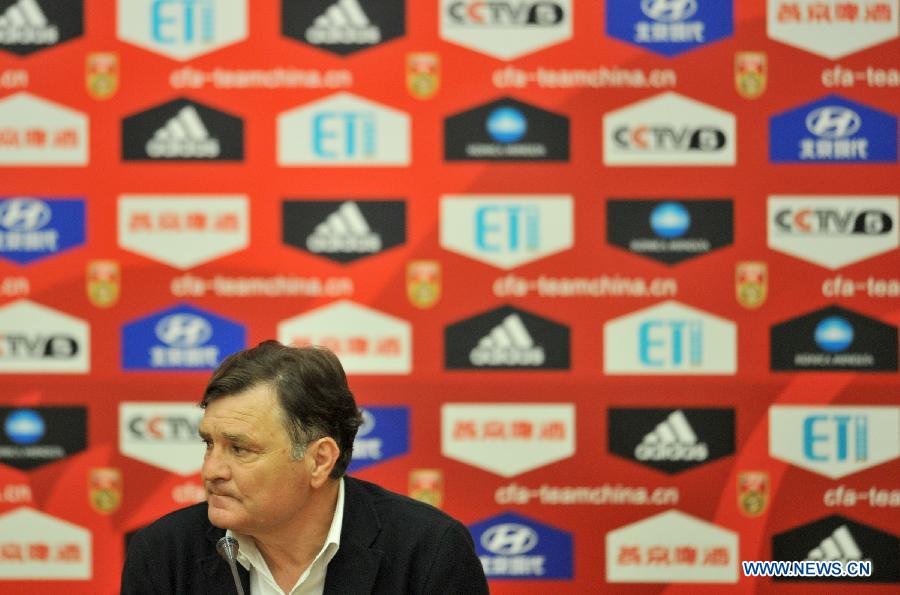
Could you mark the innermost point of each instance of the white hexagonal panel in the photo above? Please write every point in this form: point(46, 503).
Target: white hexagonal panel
point(367, 341)
point(832, 28)
point(669, 129)
point(670, 339)
point(162, 434)
point(834, 441)
point(507, 230)
point(183, 230)
point(182, 29)
point(672, 547)
point(507, 438)
point(834, 231)
point(39, 546)
point(38, 132)
point(35, 338)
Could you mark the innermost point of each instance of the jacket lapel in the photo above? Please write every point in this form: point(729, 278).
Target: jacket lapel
point(214, 571)
point(355, 566)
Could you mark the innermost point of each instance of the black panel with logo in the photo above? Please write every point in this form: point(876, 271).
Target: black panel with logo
point(506, 339)
point(671, 440)
point(344, 231)
point(36, 436)
point(506, 130)
point(834, 339)
point(343, 26)
point(34, 25)
point(838, 538)
point(182, 130)
point(670, 231)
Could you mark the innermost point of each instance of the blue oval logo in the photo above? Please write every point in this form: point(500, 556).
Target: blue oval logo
point(24, 426)
point(506, 125)
point(834, 334)
point(670, 220)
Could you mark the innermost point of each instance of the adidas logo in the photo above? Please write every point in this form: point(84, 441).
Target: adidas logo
point(672, 440)
point(184, 135)
point(24, 23)
point(839, 546)
point(508, 344)
point(344, 22)
point(345, 230)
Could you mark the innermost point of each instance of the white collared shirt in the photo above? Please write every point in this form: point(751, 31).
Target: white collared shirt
point(312, 581)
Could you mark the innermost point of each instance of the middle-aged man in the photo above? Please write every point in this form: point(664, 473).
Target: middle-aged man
point(279, 424)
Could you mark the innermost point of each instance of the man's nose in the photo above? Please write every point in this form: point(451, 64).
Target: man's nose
point(214, 466)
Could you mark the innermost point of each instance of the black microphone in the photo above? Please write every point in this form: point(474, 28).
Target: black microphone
point(228, 549)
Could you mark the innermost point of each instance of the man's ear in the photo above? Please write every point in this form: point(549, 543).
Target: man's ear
point(324, 454)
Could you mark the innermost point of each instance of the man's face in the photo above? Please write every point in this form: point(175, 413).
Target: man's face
point(253, 484)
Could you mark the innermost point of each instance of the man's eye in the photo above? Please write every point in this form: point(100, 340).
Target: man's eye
point(237, 449)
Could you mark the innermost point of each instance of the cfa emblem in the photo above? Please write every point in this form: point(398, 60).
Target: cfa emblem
point(423, 74)
point(101, 74)
point(753, 492)
point(104, 278)
point(427, 485)
point(105, 489)
point(751, 283)
point(750, 73)
point(423, 282)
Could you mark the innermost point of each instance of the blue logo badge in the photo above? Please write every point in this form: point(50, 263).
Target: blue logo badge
point(180, 338)
point(670, 27)
point(384, 435)
point(834, 334)
point(24, 426)
point(670, 220)
point(512, 546)
point(32, 228)
point(833, 130)
point(506, 125)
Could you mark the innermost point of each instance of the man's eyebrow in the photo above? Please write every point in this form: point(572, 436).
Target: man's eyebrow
point(237, 438)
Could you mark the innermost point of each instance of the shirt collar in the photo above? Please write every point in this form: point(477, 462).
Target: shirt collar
point(250, 557)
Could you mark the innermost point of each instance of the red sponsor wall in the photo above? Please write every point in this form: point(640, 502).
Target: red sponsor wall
point(541, 465)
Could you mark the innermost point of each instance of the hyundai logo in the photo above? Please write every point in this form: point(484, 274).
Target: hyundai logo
point(509, 539)
point(833, 121)
point(368, 423)
point(183, 330)
point(24, 214)
point(669, 11)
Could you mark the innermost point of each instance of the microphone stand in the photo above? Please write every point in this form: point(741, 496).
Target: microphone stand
point(228, 549)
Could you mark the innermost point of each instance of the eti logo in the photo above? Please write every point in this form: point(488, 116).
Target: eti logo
point(670, 338)
point(506, 231)
point(834, 441)
point(343, 130)
point(182, 29)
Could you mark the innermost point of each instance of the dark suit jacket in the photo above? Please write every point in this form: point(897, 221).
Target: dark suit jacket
point(390, 544)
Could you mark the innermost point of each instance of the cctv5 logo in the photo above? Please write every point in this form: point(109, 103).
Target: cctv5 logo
point(505, 13)
point(834, 441)
point(509, 539)
point(669, 11)
point(164, 428)
point(183, 330)
point(24, 214)
point(834, 221)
